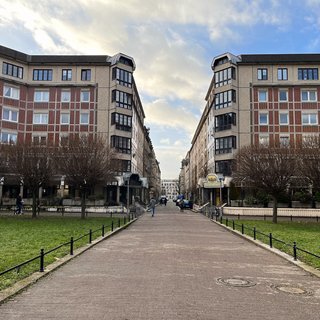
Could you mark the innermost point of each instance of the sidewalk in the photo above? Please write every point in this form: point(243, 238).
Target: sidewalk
point(172, 266)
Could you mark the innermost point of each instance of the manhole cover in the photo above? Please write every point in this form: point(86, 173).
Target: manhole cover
point(292, 290)
point(236, 282)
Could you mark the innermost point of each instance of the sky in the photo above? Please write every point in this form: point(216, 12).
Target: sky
point(173, 43)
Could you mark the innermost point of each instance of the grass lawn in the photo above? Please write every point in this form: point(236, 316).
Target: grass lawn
point(305, 234)
point(22, 237)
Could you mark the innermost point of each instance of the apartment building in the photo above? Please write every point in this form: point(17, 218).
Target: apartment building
point(46, 98)
point(263, 98)
point(170, 188)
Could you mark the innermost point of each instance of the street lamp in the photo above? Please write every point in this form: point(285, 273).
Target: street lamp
point(1, 188)
point(128, 176)
point(242, 191)
point(221, 179)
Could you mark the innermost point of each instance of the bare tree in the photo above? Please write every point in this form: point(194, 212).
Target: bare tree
point(86, 161)
point(31, 163)
point(266, 168)
point(309, 164)
point(4, 163)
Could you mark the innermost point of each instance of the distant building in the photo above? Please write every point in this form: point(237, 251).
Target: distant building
point(170, 188)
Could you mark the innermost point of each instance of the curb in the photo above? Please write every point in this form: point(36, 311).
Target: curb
point(23, 284)
point(282, 254)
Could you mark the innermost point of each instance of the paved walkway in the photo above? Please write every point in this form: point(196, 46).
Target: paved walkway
point(172, 266)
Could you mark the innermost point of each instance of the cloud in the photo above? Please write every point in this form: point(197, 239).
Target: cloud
point(161, 113)
point(170, 161)
point(165, 141)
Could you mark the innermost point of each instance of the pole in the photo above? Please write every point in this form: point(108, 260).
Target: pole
point(128, 197)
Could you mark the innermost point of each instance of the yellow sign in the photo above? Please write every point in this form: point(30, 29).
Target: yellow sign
point(212, 178)
point(212, 181)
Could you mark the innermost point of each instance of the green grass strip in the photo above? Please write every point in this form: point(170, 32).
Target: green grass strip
point(22, 237)
point(305, 234)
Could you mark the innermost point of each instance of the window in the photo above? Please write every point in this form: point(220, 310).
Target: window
point(262, 95)
point(8, 137)
point(283, 95)
point(224, 99)
point(122, 99)
point(310, 118)
point(86, 74)
point(225, 145)
point(85, 96)
point(308, 95)
point(65, 118)
point(308, 74)
point(40, 118)
point(263, 118)
point(224, 77)
point(121, 144)
point(10, 114)
point(122, 121)
point(282, 74)
point(225, 121)
point(122, 77)
point(224, 167)
point(264, 139)
point(284, 141)
point(12, 70)
point(42, 75)
point(84, 118)
point(65, 96)
point(262, 74)
point(41, 96)
point(283, 118)
point(11, 92)
point(125, 165)
point(66, 75)
point(39, 138)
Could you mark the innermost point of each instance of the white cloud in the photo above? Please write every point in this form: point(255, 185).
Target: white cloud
point(161, 113)
point(170, 161)
point(165, 141)
point(178, 143)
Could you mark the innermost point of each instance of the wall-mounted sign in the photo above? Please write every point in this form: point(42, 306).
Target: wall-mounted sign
point(212, 181)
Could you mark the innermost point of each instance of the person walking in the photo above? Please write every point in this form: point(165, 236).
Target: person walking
point(19, 204)
point(152, 206)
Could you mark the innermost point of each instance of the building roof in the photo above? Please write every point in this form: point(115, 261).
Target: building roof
point(279, 58)
point(65, 59)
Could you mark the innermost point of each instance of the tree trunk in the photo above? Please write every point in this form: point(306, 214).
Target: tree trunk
point(83, 204)
point(275, 210)
point(34, 203)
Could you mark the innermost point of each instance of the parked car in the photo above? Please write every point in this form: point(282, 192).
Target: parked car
point(185, 204)
point(163, 200)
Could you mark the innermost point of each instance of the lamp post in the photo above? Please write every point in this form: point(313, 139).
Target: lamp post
point(242, 191)
point(128, 176)
point(221, 179)
point(1, 188)
point(128, 197)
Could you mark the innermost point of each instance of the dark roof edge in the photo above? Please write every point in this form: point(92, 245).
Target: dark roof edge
point(276, 58)
point(61, 59)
